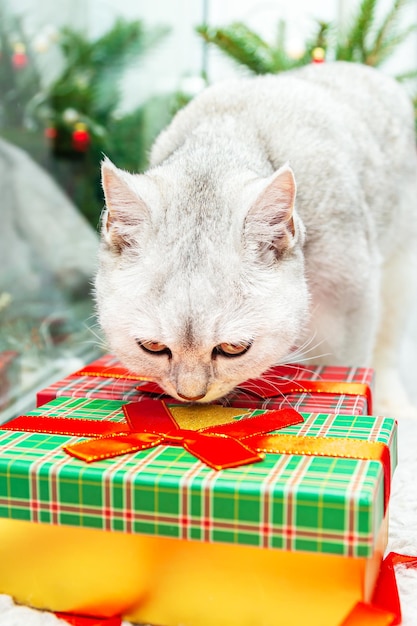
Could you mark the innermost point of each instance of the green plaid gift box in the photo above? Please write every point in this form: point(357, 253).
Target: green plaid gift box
point(291, 502)
point(107, 387)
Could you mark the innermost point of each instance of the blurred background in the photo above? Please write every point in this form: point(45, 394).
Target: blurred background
point(83, 78)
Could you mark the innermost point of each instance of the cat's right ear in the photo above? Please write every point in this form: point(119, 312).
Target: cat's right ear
point(125, 208)
point(271, 221)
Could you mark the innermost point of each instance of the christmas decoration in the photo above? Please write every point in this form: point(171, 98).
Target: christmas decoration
point(19, 57)
point(318, 55)
point(75, 118)
point(80, 137)
point(87, 90)
point(79, 109)
point(247, 48)
point(50, 132)
point(20, 79)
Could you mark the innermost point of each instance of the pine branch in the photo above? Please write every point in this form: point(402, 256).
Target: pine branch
point(124, 137)
point(405, 76)
point(280, 59)
point(75, 48)
point(118, 49)
point(387, 46)
point(124, 42)
point(90, 80)
point(352, 45)
point(320, 39)
point(242, 45)
point(386, 31)
point(246, 47)
point(363, 41)
point(281, 36)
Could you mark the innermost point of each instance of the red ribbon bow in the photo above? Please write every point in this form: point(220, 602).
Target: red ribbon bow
point(150, 423)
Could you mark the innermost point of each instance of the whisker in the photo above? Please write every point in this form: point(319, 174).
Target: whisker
point(250, 394)
point(302, 360)
point(308, 346)
point(300, 354)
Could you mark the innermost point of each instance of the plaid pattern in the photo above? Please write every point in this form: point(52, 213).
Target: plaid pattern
point(314, 504)
point(108, 388)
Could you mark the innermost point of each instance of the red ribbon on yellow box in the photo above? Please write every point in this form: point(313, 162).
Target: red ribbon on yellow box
point(384, 608)
point(149, 423)
point(82, 620)
point(266, 387)
point(386, 592)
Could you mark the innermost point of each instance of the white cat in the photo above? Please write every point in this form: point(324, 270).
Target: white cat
point(214, 268)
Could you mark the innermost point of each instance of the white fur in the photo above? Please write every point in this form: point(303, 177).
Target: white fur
point(208, 246)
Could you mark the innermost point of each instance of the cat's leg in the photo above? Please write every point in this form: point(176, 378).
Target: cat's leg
point(344, 316)
point(398, 290)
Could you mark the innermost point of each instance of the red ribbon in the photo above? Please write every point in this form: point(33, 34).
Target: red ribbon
point(150, 423)
point(364, 614)
point(386, 592)
point(385, 606)
point(113, 371)
point(82, 620)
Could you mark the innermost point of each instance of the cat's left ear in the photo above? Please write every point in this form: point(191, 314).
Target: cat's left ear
point(271, 221)
point(125, 207)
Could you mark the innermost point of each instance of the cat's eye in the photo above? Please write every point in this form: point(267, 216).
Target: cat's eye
point(154, 347)
point(231, 349)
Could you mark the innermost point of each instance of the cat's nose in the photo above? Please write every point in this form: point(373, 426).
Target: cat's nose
point(190, 398)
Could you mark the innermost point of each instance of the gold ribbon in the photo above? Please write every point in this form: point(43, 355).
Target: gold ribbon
point(330, 447)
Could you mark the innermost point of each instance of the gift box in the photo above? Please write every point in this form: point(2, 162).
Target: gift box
point(345, 390)
point(137, 516)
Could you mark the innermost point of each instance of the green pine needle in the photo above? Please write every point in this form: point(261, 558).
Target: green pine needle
point(242, 45)
point(388, 27)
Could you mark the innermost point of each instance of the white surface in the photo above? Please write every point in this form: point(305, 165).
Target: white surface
point(403, 518)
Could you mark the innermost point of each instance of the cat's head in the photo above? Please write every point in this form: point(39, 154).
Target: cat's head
point(201, 278)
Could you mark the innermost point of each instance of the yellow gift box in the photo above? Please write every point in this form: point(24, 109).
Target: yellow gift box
point(173, 582)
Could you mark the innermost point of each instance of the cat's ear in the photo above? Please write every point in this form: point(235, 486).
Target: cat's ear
point(270, 221)
point(125, 208)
